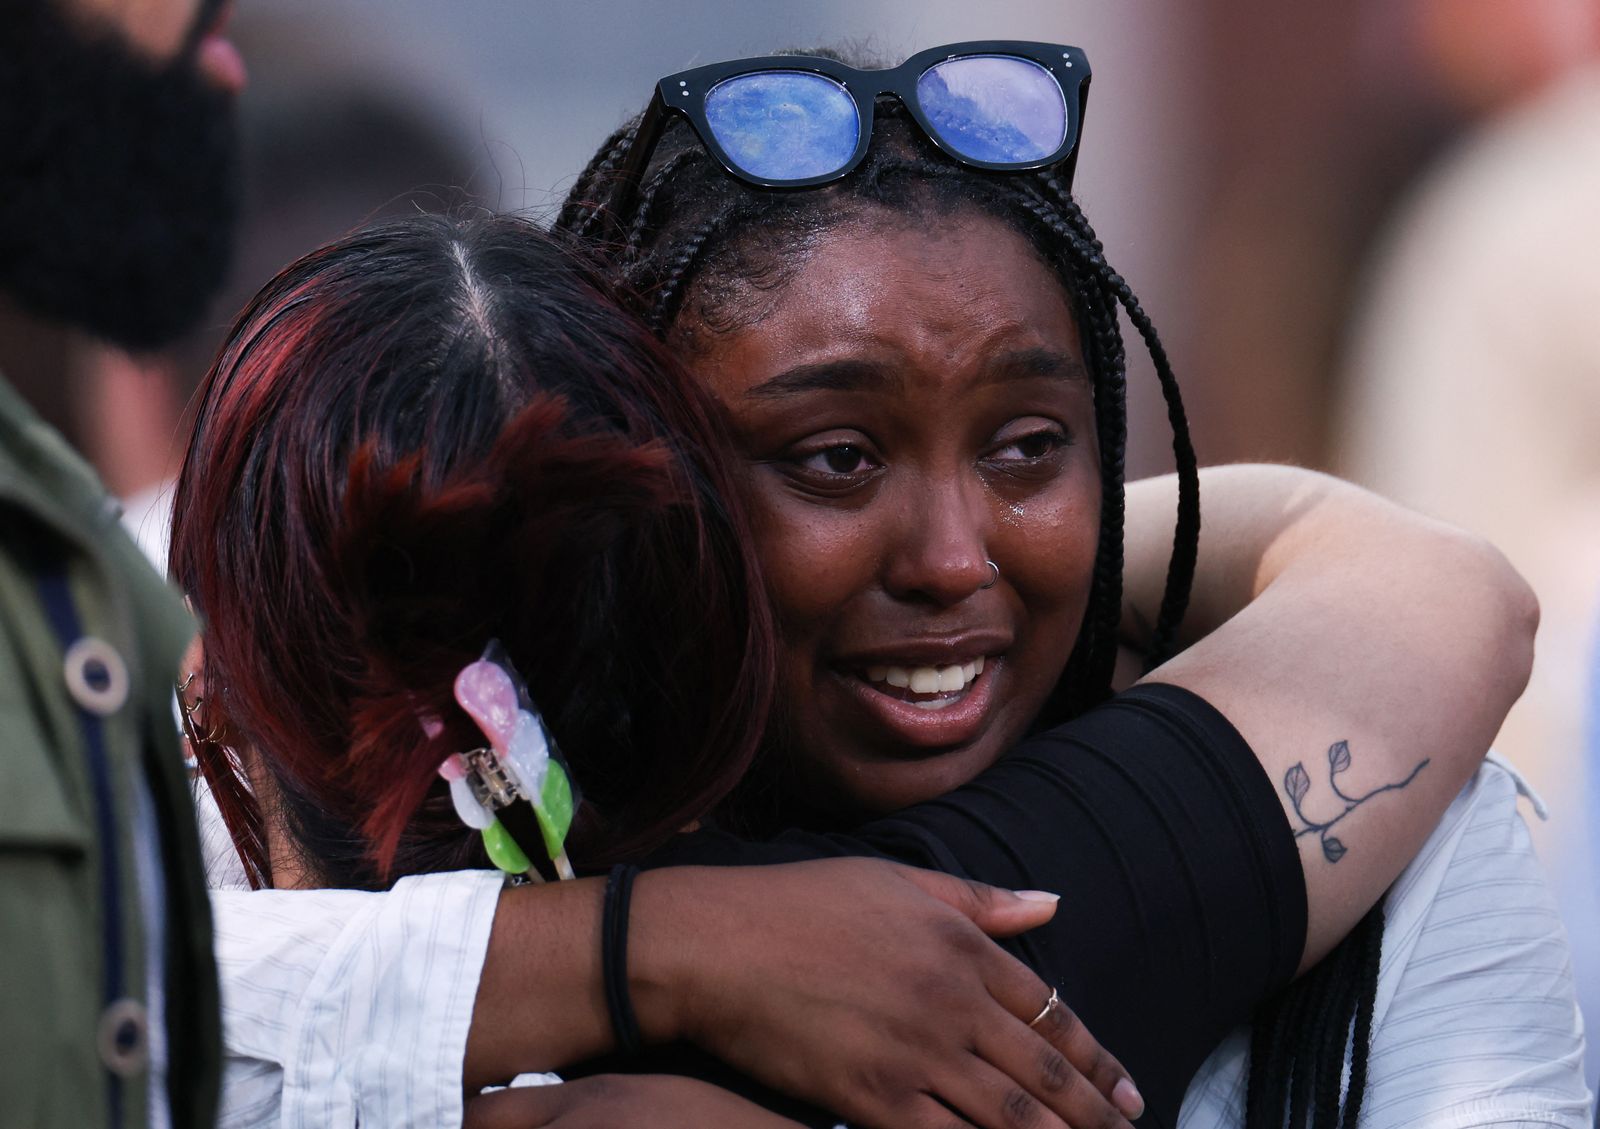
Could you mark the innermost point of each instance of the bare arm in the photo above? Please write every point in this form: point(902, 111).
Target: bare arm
point(1366, 653)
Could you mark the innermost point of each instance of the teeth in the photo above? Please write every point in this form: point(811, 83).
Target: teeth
point(928, 679)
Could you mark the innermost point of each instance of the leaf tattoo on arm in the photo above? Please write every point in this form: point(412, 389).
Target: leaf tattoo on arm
point(1297, 784)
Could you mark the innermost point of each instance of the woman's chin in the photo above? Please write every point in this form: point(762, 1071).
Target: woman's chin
point(874, 747)
point(868, 782)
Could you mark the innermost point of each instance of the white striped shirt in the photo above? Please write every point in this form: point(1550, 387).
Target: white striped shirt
point(344, 1008)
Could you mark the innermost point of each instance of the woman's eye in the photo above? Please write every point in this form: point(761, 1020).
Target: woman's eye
point(830, 467)
point(843, 459)
point(1030, 446)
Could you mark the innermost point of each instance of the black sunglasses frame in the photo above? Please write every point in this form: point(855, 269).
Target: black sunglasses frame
point(684, 94)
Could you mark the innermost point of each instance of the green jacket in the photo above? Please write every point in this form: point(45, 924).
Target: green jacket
point(67, 1051)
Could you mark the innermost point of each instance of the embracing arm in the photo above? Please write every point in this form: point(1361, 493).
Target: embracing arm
point(856, 983)
point(831, 979)
point(1366, 653)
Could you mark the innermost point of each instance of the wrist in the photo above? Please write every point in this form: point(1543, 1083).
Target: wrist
point(540, 1002)
point(660, 973)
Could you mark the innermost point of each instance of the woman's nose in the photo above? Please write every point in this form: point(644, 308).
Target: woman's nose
point(939, 553)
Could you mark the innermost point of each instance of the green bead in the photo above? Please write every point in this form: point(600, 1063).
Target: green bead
point(503, 849)
point(554, 809)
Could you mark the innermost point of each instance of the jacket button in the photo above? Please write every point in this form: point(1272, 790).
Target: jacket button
point(124, 1037)
point(97, 678)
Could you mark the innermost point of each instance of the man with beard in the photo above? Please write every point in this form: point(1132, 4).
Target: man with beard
point(116, 154)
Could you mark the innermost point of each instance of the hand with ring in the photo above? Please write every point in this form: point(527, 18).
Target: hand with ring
point(873, 990)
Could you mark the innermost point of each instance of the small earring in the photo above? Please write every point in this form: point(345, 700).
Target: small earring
point(993, 580)
point(189, 709)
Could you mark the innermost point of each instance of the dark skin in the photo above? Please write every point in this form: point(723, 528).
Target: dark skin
point(914, 406)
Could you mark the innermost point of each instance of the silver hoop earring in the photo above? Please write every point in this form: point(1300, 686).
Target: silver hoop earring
point(993, 580)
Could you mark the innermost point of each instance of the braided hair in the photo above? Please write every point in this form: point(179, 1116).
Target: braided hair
point(694, 238)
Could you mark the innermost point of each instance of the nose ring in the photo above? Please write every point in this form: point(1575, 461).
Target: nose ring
point(995, 578)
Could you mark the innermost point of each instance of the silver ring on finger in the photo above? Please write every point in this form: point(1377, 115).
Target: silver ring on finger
point(1053, 1002)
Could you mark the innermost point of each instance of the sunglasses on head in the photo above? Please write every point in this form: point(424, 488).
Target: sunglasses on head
point(800, 121)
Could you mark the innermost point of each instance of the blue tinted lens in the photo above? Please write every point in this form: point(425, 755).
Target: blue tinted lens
point(995, 108)
point(784, 125)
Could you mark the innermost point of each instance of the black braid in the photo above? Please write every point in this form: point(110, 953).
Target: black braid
point(1087, 679)
point(692, 228)
point(1265, 1035)
point(1300, 1038)
point(678, 268)
point(1186, 538)
point(579, 213)
point(1370, 936)
point(1111, 422)
point(1333, 1036)
point(1267, 1083)
point(1304, 1010)
point(645, 215)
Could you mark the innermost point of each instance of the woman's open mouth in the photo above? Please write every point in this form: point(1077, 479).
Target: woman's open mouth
point(926, 687)
point(925, 706)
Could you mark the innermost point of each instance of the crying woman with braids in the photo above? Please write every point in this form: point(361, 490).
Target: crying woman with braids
point(910, 340)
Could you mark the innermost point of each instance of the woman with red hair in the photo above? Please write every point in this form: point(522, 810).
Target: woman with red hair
point(422, 437)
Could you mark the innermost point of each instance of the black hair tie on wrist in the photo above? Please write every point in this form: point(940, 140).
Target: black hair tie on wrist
point(614, 958)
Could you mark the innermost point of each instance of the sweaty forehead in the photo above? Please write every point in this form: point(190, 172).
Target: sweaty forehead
point(950, 295)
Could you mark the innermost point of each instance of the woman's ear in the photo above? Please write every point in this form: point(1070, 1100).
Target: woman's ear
point(191, 692)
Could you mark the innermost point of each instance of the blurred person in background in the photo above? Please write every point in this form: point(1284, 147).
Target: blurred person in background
point(116, 204)
point(1473, 382)
point(320, 152)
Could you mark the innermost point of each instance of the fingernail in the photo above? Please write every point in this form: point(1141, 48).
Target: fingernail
point(1037, 895)
point(1125, 1096)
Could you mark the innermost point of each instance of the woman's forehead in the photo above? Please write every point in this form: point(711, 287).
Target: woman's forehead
point(957, 294)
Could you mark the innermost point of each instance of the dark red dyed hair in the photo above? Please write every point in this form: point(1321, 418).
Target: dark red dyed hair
point(432, 433)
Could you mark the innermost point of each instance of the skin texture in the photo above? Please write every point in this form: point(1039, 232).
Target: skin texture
point(914, 406)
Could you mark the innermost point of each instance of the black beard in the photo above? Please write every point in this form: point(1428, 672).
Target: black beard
point(117, 179)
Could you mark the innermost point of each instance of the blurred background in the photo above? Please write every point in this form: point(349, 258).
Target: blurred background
point(1368, 231)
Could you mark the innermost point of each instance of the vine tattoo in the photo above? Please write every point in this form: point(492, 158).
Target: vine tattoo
point(1297, 783)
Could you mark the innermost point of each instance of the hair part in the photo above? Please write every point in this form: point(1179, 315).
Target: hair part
point(434, 432)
